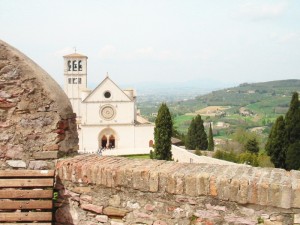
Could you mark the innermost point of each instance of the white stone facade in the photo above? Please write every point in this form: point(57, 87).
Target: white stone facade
point(107, 116)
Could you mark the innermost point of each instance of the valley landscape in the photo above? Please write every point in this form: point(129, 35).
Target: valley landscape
point(249, 106)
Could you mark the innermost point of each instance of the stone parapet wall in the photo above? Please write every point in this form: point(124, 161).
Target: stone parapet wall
point(115, 190)
point(37, 123)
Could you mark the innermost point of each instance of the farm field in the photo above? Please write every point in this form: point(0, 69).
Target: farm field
point(261, 104)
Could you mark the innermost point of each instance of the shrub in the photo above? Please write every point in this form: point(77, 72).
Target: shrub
point(248, 158)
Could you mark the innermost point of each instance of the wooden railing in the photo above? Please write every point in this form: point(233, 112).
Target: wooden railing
point(26, 197)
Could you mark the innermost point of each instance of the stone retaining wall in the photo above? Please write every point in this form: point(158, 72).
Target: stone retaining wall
point(113, 190)
point(37, 124)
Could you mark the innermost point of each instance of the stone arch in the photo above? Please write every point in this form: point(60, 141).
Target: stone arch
point(108, 138)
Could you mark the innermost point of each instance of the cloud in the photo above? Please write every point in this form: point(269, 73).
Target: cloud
point(261, 11)
point(108, 51)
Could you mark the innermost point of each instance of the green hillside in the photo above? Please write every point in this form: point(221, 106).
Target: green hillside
point(251, 105)
point(246, 93)
point(264, 102)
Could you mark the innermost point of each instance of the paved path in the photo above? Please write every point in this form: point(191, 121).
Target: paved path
point(123, 151)
point(185, 156)
point(179, 155)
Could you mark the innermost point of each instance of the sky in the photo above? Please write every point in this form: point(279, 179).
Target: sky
point(159, 41)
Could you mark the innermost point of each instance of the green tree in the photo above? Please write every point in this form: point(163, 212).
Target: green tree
point(163, 133)
point(292, 128)
point(196, 137)
point(224, 155)
point(293, 156)
point(292, 120)
point(276, 144)
point(190, 142)
point(252, 146)
point(283, 145)
point(242, 136)
point(264, 160)
point(248, 158)
point(211, 144)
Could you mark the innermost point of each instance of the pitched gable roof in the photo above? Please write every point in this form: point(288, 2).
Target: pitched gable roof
point(75, 55)
point(97, 95)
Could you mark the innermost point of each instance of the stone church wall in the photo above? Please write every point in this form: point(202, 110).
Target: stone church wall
point(117, 191)
point(37, 124)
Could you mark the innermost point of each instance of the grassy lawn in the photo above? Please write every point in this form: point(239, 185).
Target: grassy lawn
point(182, 122)
point(146, 156)
point(183, 119)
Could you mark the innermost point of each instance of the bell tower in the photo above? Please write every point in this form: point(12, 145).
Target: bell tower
point(75, 79)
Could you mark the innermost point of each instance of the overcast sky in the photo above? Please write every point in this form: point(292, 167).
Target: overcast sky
point(159, 40)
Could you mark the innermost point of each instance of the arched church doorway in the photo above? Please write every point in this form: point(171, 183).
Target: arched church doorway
point(108, 139)
point(112, 141)
point(103, 141)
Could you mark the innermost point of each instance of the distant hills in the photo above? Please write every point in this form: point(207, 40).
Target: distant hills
point(264, 102)
point(248, 93)
point(249, 105)
point(175, 91)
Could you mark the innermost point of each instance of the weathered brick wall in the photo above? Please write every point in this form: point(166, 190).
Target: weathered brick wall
point(37, 123)
point(113, 190)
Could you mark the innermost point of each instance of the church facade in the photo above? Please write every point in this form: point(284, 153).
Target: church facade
point(107, 117)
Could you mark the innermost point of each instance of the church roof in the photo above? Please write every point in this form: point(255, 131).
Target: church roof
point(107, 79)
point(75, 55)
point(141, 120)
point(175, 141)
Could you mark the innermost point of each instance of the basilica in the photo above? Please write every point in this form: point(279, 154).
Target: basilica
point(107, 117)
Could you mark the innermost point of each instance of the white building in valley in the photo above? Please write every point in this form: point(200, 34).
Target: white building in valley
point(107, 116)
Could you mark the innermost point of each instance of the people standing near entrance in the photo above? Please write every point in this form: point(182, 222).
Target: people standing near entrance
point(100, 151)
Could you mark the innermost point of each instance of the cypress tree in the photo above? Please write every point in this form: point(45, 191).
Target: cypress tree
point(190, 137)
point(211, 144)
point(276, 144)
point(163, 133)
point(196, 136)
point(292, 121)
point(293, 156)
point(283, 144)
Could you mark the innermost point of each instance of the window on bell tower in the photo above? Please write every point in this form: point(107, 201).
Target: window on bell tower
point(69, 65)
point(79, 65)
point(74, 65)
